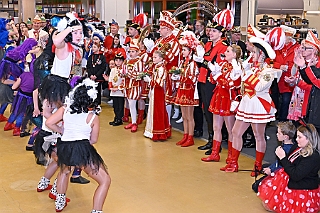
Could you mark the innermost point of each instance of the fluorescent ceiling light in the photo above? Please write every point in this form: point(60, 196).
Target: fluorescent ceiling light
point(313, 12)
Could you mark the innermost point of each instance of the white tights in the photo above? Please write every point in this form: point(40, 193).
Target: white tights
point(169, 108)
point(133, 110)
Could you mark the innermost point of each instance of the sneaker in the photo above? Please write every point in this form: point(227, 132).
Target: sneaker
point(110, 102)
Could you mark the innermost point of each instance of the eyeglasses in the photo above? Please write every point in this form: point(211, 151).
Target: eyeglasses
point(306, 48)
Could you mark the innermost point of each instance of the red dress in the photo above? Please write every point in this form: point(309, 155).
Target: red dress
point(187, 94)
point(157, 125)
point(227, 84)
point(132, 70)
point(274, 192)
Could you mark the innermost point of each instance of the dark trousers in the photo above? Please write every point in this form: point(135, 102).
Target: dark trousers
point(275, 95)
point(118, 107)
point(198, 113)
point(284, 106)
point(99, 89)
point(206, 90)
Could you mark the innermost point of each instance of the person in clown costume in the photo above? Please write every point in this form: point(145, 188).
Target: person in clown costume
point(227, 78)
point(256, 107)
point(187, 95)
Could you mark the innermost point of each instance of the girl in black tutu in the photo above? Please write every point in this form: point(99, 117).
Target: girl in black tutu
point(80, 131)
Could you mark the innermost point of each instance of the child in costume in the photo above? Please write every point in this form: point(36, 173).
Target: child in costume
point(80, 132)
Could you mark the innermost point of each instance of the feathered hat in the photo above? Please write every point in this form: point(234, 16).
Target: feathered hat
point(29, 21)
point(91, 27)
point(313, 40)
point(276, 38)
point(236, 29)
point(120, 53)
point(98, 34)
point(225, 18)
point(43, 19)
point(114, 23)
point(264, 46)
point(252, 31)
point(189, 39)
point(167, 20)
point(139, 21)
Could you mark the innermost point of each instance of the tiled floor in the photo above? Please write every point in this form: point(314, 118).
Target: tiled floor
point(147, 177)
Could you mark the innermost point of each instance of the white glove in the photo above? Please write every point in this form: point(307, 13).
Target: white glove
point(235, 64)
point(246, 65)
point(217, 67)
point(175, 77)
point(198, 57)
point(149, 43)
point(247, 75)
point(147, 78)
point(211, 67)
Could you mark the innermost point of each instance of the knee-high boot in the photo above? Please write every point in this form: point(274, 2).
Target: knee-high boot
point(215, 152)
point(257, 164)
point(125, 117)
point(229, 158)
point(140, 116)
point(233, 165)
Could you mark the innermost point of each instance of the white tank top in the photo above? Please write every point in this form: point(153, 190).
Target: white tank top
point(76, 126)
point(62, 68)
point(44, 119)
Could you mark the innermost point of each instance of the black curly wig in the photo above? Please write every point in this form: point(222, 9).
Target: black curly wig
point(82, 101)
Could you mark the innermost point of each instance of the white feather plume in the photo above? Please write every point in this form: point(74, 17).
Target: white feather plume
point(62, 24)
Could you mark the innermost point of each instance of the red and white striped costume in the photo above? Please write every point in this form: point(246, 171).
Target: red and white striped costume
point(132, 70)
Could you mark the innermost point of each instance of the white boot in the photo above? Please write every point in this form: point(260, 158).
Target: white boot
point(176, 113)
point(180, 120)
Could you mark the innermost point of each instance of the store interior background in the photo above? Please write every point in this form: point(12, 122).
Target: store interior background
point(246, 11)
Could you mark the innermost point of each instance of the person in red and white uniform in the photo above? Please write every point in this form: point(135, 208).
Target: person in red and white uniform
point(213, 49)
point(187, 95)
point(114, 30)
point(256, 107)
point(169, 42)
point(284, 61)
point(227, 78)
point(132, 69)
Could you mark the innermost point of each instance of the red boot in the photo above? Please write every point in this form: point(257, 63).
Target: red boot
point(189, 141)
point(257, 164)
point(3, 118)
point(16, 131)
point(229, 158)
point(233, 165)
point(140, 116)
point(129, 126)
point(125, 118)
point(215, 152)
point(8, 126)
point(183, 140)
point(134, 127)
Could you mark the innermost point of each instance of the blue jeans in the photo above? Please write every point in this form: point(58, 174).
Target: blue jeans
point(284, 107)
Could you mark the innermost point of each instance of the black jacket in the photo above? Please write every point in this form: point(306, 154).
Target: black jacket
point(303, 172)
point(313, 109)
point(96, 68)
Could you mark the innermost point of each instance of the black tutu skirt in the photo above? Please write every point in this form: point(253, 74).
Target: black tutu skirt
point(54, 88)
point(6, 94)
point(38, 151)
point(20, 102)
point(79, 153)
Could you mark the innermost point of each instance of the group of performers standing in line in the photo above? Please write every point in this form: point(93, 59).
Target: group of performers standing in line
point(175, 69)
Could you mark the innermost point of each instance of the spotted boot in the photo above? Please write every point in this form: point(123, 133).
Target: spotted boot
point(43, 184)
point(96, 211)
point(60, 202)
point(53, 191)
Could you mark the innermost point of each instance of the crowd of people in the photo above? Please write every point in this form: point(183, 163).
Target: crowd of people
point(54, 74)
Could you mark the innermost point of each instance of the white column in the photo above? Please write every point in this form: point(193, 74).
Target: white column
point(248, 15)
point(111, 9)
point(28, 9)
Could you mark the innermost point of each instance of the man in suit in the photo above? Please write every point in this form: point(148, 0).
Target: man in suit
point(235, 39)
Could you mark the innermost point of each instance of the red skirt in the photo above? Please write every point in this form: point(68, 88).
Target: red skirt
point(220, 102)
point(185, 97)
point(274, 192)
